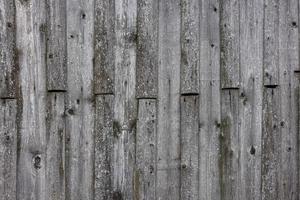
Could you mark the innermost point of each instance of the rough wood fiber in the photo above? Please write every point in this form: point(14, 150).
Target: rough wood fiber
point(250, 97)
point(31, 44)
point(271, 22)
point(146, 150)
point(56, 45)
point(295, 97)
point(209, 101)
point(229, 160)
point(168, 126)
point(125, 108)
point(55, 150)
point(147, 48)
point(8, 65)
point(292, 27)
point(103, 147)
point(104, 46)
point(72, 67)
point(288, 61)
point(271, 147)
point(79, 100)
point(189, 139)
point(209, 151)
point(230, 43)
point(8, 149)
point(190, 46)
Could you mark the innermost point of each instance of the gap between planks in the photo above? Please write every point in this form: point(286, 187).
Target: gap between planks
point(57, 91)
point(271, 86)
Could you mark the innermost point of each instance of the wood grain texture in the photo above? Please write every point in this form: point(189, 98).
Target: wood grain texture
point(8, 149)
point(209, 101)
point(230, 43)
point(104, 135)
point(229, 161)
point(79, 101)
point(104, 46)
point(55, 150)
point(56, 45)
point(271, 42)
point(146, 134)
point(271, 147)
point(288, 188)
point(149, 99)
point(190, 28)
point(8, 65)
point(168, 110)
point(147, 49)
point(251, 97)
point(295, 91)
point(31, 44)
point(189, 142)
point(125, 106)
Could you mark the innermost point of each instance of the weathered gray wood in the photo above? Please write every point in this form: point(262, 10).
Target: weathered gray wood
point(125, 106)
point(271, 147)
point(79, 102)
point(209, 101)
point(209, 151)
point(103, 183)
point(56, 45)
point(295, 97)
point(104, 45)
point(8, 66)
point(147, 49)
point(168, 123)
point(271, 59)
point(189, 144)
point(146, 135)
point(72, 71)
point(8, 149)
point(288, 61)
point(229, 36)
point(190, 28)
point(55, 150)
point(31, 44)
point(251, 94)
point(229, 161)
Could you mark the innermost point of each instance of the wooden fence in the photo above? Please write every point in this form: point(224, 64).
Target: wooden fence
point(149, 99)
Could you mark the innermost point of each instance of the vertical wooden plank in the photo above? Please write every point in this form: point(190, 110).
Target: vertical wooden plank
point(8, 66)
point(56, 45)
point(271, 20)
point(294, 33)
point(189, 128)
point(79, 103)
point(295, 87)
point(288, 61)
point(209, 101)
point(125, 106)
point(230, 43)
point(190, 46)
point(271, 144)
point(103, 185)
point(8, 149)
point(31, 44)
point(146, 149)
point(104, 45)
point(229, 162)
point(209, 151)
point(55, 151)
point(147, 49)
point(250, 97)
point(168, 123)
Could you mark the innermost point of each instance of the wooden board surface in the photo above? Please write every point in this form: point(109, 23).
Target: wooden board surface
point(149, 99)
